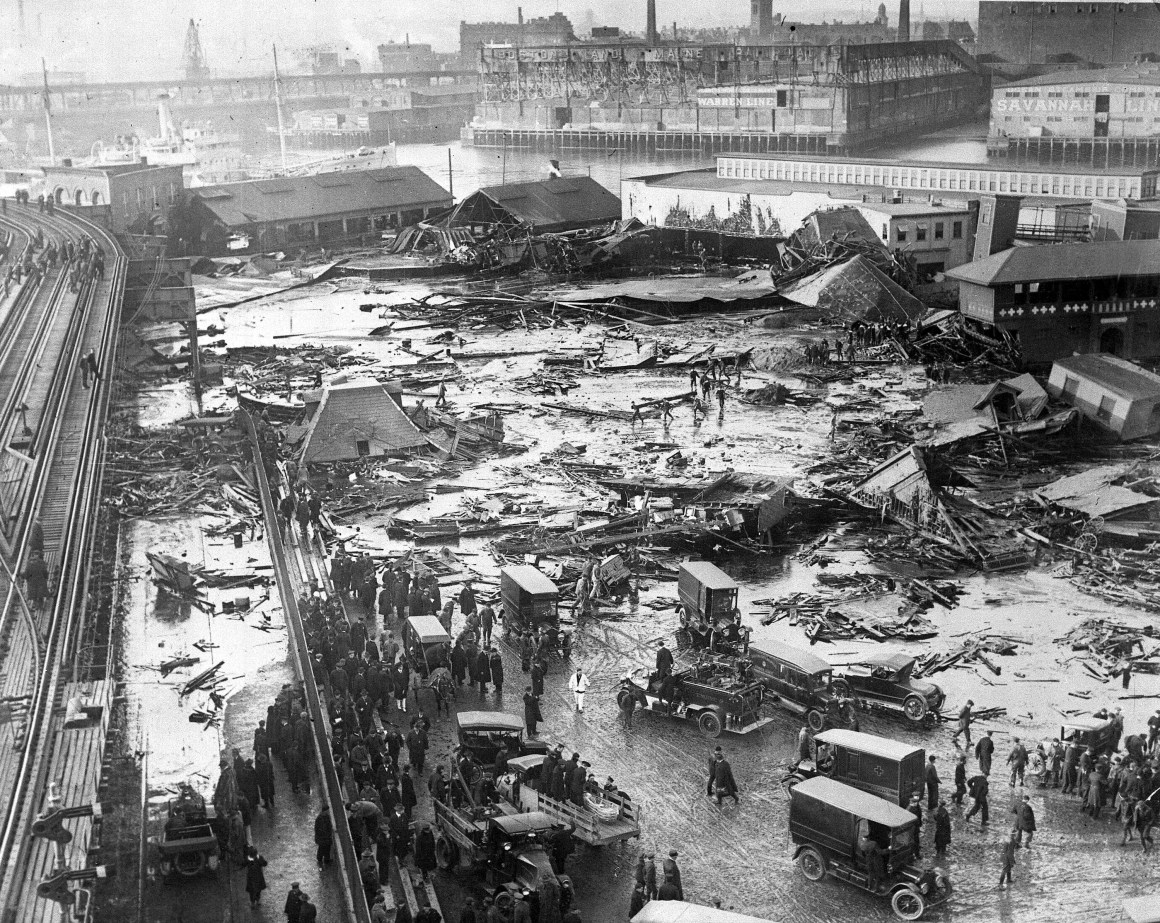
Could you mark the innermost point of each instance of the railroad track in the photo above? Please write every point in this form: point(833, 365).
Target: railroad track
point(58, 480)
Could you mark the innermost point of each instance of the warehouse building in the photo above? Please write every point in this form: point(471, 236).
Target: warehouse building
point(311, 210)
point(1096, 116)
point(1069, 298)
point(136, 196)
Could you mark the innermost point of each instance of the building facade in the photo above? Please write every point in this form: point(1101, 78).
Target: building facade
point(1069, 298)
point(1019, 38)
point(1057, 181)
point(545, 30)
point(1118, 396)
point(138, 196)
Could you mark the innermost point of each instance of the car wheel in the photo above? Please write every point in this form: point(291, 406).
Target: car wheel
point(841, 687)
point(915, 707)
point(189, 863)
point(812, 864)
point(446, 854)
point(907, 904)
point(709, 723)
point(816, 720)
point(794, 780)
point(504, 902)
point(622, 699)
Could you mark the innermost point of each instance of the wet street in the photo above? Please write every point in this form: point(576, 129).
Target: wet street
point(738, 854)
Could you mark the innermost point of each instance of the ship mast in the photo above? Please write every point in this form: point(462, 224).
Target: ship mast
point(278, 100)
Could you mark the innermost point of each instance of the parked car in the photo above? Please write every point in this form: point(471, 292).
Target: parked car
point(800, 682)
point(719, 693)
point(883, 767)
point(1102, 735)
point(426, 644)
point(708, 609)
point(484, 733)
point(827, 821)
point(885, 679)
point(188, 844)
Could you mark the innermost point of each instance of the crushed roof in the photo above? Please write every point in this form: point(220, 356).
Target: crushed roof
point(1100, 260)
point(287, 198)
point(1123, 378)
point(354, 411)
point(555, 204)
point(855, 290)
point(842, 222)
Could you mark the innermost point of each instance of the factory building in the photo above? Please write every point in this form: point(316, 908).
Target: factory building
point(1019, 38)
point(1102, 116)
point(545, 30)
point(705, 98)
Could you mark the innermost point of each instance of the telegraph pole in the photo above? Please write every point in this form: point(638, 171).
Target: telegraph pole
point(278, 103)
point(48, 114)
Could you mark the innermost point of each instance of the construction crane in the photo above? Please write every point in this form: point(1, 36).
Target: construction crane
point(193, 56)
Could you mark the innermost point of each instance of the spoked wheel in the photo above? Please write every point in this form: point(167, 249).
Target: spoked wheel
point(816, 720)
point(446, 854)
point(812, 864)
point(709, 723)
point(189, 863)
point(915, 707)
point(907, 904)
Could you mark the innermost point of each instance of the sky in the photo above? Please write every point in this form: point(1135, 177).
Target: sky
point(143, 39)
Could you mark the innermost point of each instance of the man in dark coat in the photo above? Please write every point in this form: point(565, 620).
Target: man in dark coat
point(532, 714)
point(538, 670)
point(264, 773)
point(483, 670)
point(458, 663)
point(1025, 821)
point(467, 600)
point(307, 913)
point(255, 877)
point(673, 873)
point(294, 900)
point(668, 891)
point(1008, 860)
point(932, 781)
point(942, 829)
point(576, 779)
point(664, 661)
point(978, 787)
point(724, 785)
point(247, 777)
point(407, 791)
point(984, 750)
point(323, 836)
point(416, 749)
point(496, 664)
point(960, 779)
point(400, 831)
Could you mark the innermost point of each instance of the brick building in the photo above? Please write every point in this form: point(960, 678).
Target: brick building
point(138, 196)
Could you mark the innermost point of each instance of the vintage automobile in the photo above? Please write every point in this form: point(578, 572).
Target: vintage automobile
point(510, 849)
point(885, 680)
point(1101, 735)
point(522, 787)
point(891, 770)
point(827, 823)
point(708, 609)
point(484, 733)
point(426, 644)
point(718, 692)
point(530, 601)
point(188, 845)
point(801, 683)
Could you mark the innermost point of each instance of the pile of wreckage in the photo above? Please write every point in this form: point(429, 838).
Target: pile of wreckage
point(1108, 648)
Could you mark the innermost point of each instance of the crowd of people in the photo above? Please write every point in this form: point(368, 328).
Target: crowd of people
point(852, 338)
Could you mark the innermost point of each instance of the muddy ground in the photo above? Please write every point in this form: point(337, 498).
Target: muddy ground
point(738, 854)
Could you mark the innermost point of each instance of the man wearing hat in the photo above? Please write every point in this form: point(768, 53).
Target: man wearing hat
point(294, 900)
point(673, 873)
point(964, 723)
point(307, 913)
point(323, 835)
point(717, 753)
point(932, 781)
point(650, 875)
point(1024, 821)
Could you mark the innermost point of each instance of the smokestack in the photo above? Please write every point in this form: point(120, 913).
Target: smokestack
point(651, 25)
point(904, 20)
point(520, 15)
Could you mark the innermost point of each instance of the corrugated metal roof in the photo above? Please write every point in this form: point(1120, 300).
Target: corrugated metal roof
point(550, 205)
point(1101, 260)
point(323, 195)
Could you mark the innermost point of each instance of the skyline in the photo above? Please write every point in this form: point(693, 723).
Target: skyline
point(92, 39)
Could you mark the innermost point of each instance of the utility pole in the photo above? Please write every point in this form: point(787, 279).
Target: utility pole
point(450, 177)
point(278, 103)
point(48, 114)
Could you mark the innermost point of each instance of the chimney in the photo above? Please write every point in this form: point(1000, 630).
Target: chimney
point(520, 15)
point(904, 20)
point(651, 24)
point(674, 30)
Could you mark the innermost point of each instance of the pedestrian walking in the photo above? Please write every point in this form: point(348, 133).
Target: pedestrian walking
point(578, 685)
point(932, 781)
point(1009, 848)
point(486, 623)
point(1017, 760)
point(425, 850)
point(942, 829)
point(264, 771)
point(724, 785)
point(637, 901)
point(323, 836)
point(984, 752)
point(1024, 821)
point(960, 779)
point(294, 900)
point(650, 876)
point(307, 912)
point(532, 715)
point(672, 872)
point(964, 727)
point(978, 787)
point(496, 663)
point(255, 877)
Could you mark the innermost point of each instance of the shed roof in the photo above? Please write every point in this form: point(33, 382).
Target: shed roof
point(868, 743)
point(1100, 260)
point(1123, 378)
point(709, 575)
point(353, 412)
point(862, 804)
point(557, 204)
point(290, 198)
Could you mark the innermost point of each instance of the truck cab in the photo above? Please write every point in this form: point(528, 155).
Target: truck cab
point(530, 600)
point(886, 768)
point(835, 828)
point(708, 609)
point(518, 859)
